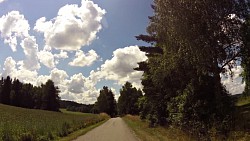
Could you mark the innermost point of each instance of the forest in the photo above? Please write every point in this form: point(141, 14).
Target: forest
point(16, 93)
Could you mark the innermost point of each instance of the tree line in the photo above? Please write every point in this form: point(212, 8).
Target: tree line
point(127, 102)
point(76, 107)
point(16, 93)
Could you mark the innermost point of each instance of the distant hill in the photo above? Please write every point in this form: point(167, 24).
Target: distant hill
point(74, 106)
point(65, 103)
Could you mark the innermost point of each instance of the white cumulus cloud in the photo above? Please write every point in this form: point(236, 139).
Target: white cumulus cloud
point(58, 76)
point(13, 26)
point(73, 27)
point(24, 75)
point(2, 1)
point(30, 49)
point(61, 55)
point(82, 59)
point(76, 83)
point(120, 67)
point(46, 58)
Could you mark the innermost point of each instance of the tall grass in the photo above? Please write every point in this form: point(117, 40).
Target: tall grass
point(145, 133)
point(17, 124)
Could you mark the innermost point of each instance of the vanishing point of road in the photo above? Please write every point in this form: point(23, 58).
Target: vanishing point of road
point(115, 129)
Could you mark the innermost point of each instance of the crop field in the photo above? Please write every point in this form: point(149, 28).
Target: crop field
point(19, 124)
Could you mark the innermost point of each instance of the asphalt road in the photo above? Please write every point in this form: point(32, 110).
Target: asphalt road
point(114, 129)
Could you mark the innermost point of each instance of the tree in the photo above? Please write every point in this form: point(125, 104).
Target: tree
point(6, 89)
point(192, 46)
point(1, 88)
point(26, 100)
point(128, 100)
point(106, 102)
point(50, 97)
point(16, 93)
point(246, 57)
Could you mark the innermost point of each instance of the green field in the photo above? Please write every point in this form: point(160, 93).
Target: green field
point(17, 124)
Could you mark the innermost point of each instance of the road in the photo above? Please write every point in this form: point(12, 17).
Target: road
point(115, 129)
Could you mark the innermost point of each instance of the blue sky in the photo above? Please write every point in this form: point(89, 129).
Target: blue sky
point(81, 45)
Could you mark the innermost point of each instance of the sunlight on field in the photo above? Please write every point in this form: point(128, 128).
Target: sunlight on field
point(21, 124)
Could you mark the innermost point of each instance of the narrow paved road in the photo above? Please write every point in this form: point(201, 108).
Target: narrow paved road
point(114, 129)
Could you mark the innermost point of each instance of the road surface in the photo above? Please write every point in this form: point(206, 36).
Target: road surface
point(115, 129)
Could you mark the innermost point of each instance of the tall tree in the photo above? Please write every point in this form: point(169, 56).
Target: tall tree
point(50, 97)
point(1, 88)
point(128, 100)
point(16, 93)
point(27, 96)
point(246, 57)
point(192, 45)
point(6, 89)
point(106, 102)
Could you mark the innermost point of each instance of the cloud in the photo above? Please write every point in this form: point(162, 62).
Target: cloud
point(46, 58)
point(61, 55)
point(24, 75)
point(77, 87)
point(120, 67)
point(9, 66)
point(80, 89)
point(73, 27)
point(82, 59)
point(58, 76)
point(76, 83)
point(2, 1)
point(13, 26)
point(30, 49)
point(234, 85)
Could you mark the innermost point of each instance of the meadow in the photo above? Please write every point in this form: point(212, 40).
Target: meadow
point(19, 124)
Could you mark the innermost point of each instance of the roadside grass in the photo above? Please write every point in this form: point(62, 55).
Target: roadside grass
point(19, 124)
point(243, 100)
point(80, 132)
point(145, 133)
point(241, 129)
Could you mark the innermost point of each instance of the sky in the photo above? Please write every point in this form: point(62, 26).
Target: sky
point(82, 45)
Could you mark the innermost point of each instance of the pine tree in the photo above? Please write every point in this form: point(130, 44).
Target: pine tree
point(6, 89)
point(50, 98)
point(106, 102)
point(128, 100)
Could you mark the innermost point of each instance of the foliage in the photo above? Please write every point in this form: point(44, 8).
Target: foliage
point(182, 81)
point(173, 133)
point(77, 107)
point(23, 124)
point(159, 133)
point(28, 96)
point(246, 56)
point(106, 102)
point(128, 100)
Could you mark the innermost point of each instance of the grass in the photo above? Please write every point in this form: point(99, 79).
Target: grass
point(242, 119)
point(17, 124)
point(243, 100)
point(242, 113)
point(145, 133)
